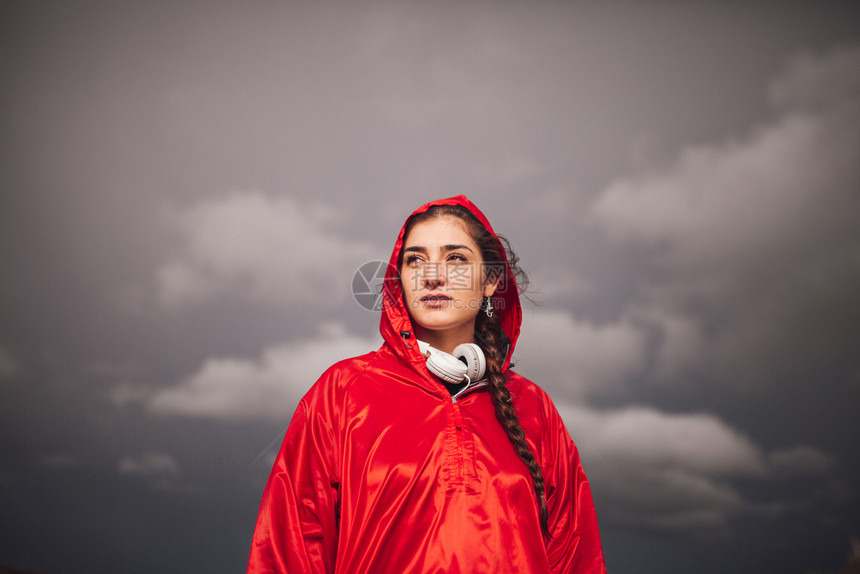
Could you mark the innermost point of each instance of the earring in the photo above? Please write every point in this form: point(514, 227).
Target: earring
point(488, 307)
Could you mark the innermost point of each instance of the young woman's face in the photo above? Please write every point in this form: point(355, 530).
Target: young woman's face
point(443, 279)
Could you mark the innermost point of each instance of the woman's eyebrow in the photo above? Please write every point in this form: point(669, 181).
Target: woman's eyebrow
point(449, 247)
point(453, 247)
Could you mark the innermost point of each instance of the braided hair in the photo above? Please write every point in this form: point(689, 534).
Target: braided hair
point(499, 259)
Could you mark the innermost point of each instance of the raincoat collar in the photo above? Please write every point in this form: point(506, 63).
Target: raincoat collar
point(395, 324)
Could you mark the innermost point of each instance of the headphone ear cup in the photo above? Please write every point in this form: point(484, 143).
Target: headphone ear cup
point(476, 363)
point(446, 366)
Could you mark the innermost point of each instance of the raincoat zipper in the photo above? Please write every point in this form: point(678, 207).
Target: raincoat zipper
point(464, 449)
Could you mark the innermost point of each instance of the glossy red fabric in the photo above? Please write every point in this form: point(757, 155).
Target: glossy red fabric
point(381, 471)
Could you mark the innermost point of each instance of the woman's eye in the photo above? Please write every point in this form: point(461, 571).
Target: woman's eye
point(412, 259)
point(457, 258)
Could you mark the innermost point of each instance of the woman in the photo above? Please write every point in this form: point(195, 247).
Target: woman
point(387, 467)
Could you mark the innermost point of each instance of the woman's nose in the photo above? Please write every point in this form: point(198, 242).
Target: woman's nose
point(433, 275)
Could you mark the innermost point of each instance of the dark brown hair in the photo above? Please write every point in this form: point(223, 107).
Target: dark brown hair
point(499, 259)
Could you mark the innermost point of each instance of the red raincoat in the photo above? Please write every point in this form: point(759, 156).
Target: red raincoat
point(382, 471)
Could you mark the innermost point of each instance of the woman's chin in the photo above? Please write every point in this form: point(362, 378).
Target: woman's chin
point(440, 320)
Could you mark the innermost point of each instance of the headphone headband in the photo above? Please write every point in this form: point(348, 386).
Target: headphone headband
point(466, 363)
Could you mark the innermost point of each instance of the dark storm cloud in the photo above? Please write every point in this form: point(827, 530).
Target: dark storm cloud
point(680, 181)
point(760, 238)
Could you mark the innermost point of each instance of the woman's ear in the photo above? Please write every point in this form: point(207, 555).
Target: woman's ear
point(492, 278)
point(490, 287)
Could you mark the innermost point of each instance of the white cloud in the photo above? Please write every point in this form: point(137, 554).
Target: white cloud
point(800, 460)
point(663, 471)
point(697, 443)
point(812, 82)
point(126, 393)
point(572, 358)
point(266, 388)
point(556, 283)
point(271, 249)
point(150, 465)
point(683, 341)
point(721, 207)
point(755, 237)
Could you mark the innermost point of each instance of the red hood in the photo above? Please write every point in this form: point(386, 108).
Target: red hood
point(395, 321)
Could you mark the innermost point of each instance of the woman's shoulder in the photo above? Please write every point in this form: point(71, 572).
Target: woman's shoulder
point(344, 372)
point(518, 383)
point(527, 391)
point(537, 411)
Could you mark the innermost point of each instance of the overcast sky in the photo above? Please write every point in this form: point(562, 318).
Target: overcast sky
point(189, 187)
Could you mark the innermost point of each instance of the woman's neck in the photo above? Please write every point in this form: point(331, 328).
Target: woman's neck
point(446, 340)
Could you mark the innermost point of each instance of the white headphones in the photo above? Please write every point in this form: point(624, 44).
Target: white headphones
point(466, 363)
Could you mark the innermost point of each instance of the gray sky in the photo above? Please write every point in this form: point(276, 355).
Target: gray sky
point(188, 188)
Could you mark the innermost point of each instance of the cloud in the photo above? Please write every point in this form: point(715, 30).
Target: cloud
point(801, 461)
point(266, 388)
point(815, 83)
point(572, 358)
point(276, 250)
point(149, 465)
point(678, 471)
point(697, 443)
point(754, 242)
point(554, 283)
point(664, 471)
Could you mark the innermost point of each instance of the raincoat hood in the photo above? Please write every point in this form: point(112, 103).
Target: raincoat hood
point(395, 324)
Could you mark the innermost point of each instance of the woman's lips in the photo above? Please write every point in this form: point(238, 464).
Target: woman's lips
point(435, 300)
